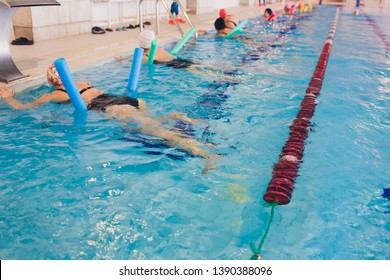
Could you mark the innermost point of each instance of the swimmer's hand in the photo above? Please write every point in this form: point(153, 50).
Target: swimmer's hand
point(5, 93)
point(211, 163)
point(202, 32)
point(122, 60)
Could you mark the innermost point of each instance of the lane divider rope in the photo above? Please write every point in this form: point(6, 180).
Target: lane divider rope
point(285, 171)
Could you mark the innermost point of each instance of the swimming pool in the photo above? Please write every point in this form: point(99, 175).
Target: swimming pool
point(76, 188)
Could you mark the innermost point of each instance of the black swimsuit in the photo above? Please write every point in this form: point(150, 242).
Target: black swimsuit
point(235, 24)
point(103, 101)
point(68, 101)
point(81, 91)
point(177, 63)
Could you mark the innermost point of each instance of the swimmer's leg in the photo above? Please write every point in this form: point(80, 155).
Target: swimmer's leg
point(193, 147)
point(179, 117)
point(124, 113)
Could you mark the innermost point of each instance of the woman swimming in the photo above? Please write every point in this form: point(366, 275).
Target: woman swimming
point(121, 108)
point(162, 57)
point(220, 26)
point(230, 21)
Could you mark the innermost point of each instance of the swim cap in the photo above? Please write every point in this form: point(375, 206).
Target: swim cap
point(219, 24)
point(53, 77)
point(145, 39)
point(287, 6)
point(222, 13)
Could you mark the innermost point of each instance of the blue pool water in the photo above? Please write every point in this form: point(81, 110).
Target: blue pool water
point(74, 188)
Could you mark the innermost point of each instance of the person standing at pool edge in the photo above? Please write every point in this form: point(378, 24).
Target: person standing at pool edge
point(121, 108)
point(356, 11)
point(175, 13)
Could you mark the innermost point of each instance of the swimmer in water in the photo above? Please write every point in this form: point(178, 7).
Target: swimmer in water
point(162, 57)
point(230, 20)
point(121, 108)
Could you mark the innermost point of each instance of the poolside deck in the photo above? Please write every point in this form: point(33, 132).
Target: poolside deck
point(85, 50)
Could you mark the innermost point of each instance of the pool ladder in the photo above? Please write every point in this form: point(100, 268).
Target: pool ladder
point(167, 9)
point(8, 70)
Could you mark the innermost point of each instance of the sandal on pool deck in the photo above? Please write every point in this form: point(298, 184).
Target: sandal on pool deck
point(97, 30)
point(22, 41)
point(123, 28)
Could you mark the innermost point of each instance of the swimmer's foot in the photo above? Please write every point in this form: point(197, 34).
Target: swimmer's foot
point(183, 117)
point(234, 79)
point(212, 145)
point(211, 163)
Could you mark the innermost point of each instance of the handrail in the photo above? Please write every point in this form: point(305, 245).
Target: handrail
point(141, 17)
point(8, 70)
point(187, 17)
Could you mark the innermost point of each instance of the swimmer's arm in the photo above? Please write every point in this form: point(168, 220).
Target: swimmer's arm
point(122, 60)
point(202, 32)
point(218, 73)
point(8, 97)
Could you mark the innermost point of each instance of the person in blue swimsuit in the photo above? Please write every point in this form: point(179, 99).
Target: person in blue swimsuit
point(356, 11)
point(175, 13)
point(175, 8)
point(121, 108)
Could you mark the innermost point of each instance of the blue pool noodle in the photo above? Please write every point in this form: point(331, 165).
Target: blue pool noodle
point(135, 69)
point(69, 84)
